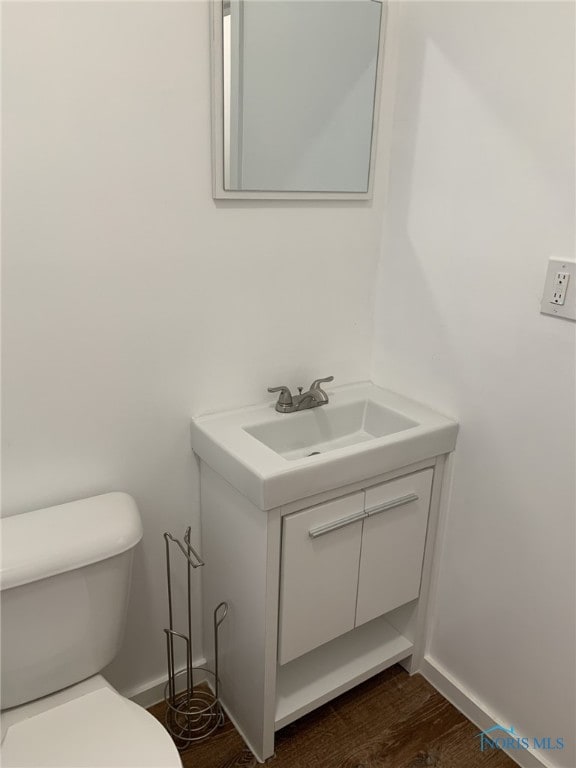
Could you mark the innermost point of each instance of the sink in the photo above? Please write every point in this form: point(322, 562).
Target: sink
point(319, 430)
point(364, 431)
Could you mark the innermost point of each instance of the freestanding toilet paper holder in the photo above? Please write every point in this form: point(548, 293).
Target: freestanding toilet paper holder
point(194, 712)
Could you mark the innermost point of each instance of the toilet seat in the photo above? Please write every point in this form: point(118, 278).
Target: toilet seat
point(98, 729)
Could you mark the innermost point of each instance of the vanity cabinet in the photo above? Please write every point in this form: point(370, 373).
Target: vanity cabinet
point(323, 593)
point(318, 530)
point(351, 560)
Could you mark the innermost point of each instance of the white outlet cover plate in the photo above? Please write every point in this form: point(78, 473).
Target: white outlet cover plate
point(568, 309)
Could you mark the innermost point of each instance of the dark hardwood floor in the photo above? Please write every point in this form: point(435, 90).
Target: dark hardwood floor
point(391, 721)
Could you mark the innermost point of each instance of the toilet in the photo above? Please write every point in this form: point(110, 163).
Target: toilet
point(64, 584)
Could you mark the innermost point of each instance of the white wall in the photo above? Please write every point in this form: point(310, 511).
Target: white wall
point(131, 299)
point(481, 193)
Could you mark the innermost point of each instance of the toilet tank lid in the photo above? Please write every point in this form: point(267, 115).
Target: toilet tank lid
point(43, 543)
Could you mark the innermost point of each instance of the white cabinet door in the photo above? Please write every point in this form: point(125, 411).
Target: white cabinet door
point(393, 544)
point(320, 558)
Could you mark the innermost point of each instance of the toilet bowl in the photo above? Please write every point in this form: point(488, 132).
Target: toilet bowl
point(64, 584)
point(89, 725)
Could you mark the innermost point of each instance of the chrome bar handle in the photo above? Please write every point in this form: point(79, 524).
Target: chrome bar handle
point(321, 530)
point(399, 502)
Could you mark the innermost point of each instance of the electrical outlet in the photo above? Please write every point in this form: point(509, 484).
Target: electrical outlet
point(559, 287)
point(559, 297)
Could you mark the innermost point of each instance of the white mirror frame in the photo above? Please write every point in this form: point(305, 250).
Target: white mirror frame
point(217, 99)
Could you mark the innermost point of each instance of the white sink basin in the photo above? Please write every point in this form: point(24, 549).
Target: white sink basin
point(324, 429)
point(363, 432)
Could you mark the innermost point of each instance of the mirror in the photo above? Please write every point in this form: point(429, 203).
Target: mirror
point(295, 97)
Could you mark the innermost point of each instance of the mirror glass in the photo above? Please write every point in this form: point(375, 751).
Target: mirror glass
point(299, 85)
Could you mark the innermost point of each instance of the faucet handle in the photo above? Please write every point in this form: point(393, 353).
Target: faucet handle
point(285, 397)
point(316, 384)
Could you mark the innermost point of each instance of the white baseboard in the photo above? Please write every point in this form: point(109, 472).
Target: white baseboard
point(475, 711)
point(152, 692)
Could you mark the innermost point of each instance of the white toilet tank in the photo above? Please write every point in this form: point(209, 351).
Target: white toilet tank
point(64, 583)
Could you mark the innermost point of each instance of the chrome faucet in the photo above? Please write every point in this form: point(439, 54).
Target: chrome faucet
point(315, 396)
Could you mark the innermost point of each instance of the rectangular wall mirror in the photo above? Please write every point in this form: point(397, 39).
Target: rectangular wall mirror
point(295, 93)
